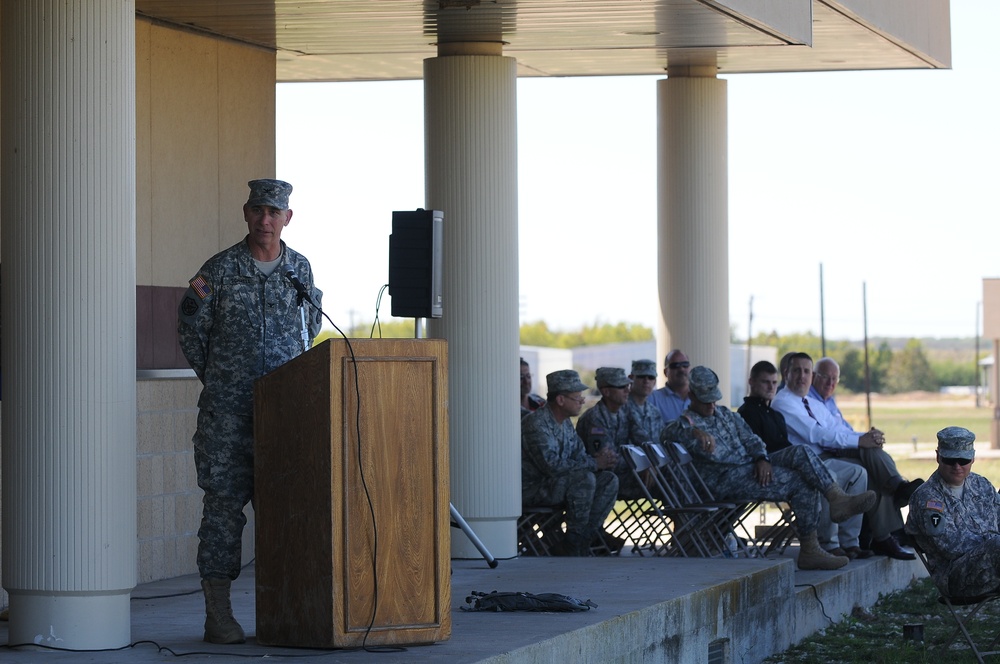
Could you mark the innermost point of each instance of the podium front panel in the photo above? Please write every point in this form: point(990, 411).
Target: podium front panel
point(352, 504)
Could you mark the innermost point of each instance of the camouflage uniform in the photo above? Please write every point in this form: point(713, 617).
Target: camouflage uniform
point(598, 427)
point(235, 325)
point(799, 477)
point(961, 536)
point(556, 469)
point(645, 421)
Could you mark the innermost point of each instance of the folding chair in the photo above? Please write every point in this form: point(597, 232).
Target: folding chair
point(669, 527)
point(538, 530)
point(732, 514)
point(777, 536)
point(970, 606)
point(713, 526)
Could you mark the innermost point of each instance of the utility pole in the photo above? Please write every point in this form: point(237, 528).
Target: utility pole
point(749, 341)
point(822, 316)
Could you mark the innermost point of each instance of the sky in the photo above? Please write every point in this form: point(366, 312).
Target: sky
point(886, 179)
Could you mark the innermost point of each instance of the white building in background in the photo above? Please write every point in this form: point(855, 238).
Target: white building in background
point(543, 361)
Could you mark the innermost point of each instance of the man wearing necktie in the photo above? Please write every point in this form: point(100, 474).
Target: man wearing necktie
point(734, 463)
point(811, 424)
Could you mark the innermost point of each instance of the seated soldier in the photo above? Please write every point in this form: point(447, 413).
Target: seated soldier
point(556, 469)
point(735, 465)
point(644, 417)
point(955, 518)
point(605, 428)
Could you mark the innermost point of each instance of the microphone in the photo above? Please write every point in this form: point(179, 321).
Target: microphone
point(299, 288)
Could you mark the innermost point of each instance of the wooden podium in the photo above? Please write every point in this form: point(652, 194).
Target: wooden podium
point(326, 570)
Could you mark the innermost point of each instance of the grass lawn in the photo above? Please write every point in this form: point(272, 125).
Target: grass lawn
point(911, 427)
point(875, 636)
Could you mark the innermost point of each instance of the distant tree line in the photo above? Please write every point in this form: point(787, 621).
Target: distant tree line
point(539, 334)
point(895, 365)
point(908, 367)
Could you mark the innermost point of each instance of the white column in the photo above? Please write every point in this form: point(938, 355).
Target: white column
point(67, 173)
point(693, 208)
point(470, 113)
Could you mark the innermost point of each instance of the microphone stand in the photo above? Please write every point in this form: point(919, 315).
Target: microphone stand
point(303, 327)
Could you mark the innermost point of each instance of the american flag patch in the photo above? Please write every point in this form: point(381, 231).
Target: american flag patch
point(597, 431)
point(935, 505)
point(201, 287)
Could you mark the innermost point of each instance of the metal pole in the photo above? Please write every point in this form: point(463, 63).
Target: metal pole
point(822, 316)
point(868, 377)
point(749, 342)
point(975, 360)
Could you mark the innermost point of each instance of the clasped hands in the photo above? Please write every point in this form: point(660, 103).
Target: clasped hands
point(606, 457)
point(871, 439)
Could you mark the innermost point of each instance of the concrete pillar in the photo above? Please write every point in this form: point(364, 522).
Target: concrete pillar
point(67, 173)
point(470, 148)
point(693, 234)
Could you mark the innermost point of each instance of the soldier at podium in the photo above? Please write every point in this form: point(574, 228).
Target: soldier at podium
point(237, 321)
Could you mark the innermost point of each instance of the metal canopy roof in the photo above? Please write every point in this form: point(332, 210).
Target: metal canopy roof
point(340, 40)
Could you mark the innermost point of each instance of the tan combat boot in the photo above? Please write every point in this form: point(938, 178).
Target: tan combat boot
point(220, 625)
point(812, 556)
point(843, 506)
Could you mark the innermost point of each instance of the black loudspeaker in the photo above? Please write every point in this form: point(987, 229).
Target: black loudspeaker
point(415, 263)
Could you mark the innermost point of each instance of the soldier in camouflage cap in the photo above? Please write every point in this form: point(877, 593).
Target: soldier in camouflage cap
point(644, 417)
point(269, 193)
point(556, 470)
point(564, 381)
point(238, 320)
point(955, 518)
point(605, 428)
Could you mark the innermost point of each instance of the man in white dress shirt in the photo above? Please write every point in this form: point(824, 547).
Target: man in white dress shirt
point(810, 423)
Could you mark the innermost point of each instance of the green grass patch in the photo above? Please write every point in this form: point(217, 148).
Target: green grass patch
point(903, 424)
point(875, 636)
point(911, 432)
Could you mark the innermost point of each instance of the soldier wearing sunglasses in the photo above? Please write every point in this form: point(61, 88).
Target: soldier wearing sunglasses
point(954, 519)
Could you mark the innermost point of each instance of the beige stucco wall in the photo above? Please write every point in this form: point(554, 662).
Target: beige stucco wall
point(204, 127)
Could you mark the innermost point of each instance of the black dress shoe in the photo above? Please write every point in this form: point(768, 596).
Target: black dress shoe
point(901, 496)
point(890, 547)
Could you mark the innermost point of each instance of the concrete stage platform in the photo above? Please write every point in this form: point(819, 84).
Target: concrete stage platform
point(648, 610)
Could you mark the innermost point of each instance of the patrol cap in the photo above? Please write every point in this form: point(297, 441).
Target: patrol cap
point(611, 377)
point(704, 385)
point(272, 193)
point(565, 380)
point(643, 368)
point(956, 443)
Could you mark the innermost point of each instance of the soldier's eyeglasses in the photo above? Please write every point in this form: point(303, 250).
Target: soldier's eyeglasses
point(679, 365)
point(579, 400)
point(949, 461)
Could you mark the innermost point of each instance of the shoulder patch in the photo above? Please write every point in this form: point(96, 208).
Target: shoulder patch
point(597, 431)
point(200, 287)
point(189, 306)
point(935, 505)
point(933, 522)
